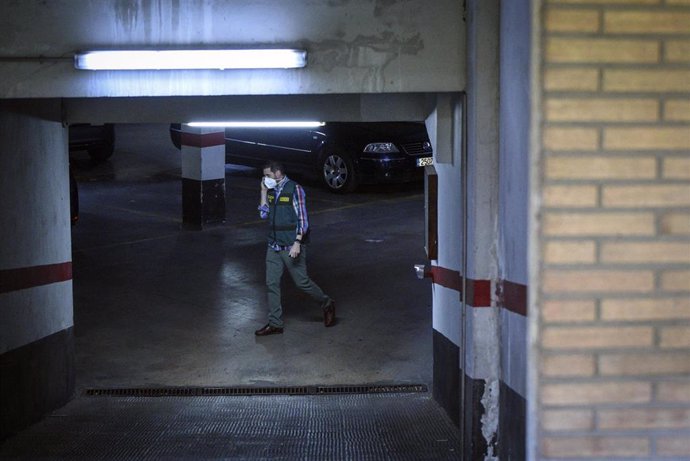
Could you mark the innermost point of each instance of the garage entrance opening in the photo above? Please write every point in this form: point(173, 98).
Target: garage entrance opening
point(157, 306)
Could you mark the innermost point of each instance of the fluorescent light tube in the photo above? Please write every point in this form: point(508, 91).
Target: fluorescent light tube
point(256, 124)
point(190, 59)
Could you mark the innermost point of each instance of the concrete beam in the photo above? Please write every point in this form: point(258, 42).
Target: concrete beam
point(351, 107)
point(353, 46)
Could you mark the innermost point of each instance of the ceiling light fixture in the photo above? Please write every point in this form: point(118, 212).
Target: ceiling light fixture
point(190, 59)
point(293, 124)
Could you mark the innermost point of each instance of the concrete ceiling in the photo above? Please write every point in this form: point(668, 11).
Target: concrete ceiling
point(354, 46)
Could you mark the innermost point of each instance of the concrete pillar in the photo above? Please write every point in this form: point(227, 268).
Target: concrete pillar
point(482, 343)
point(36, 320)
point(203, 176)
point(466, 318)
point(512, 279)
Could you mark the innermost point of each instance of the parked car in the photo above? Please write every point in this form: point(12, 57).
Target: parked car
point(342, 154)
point(97, 140)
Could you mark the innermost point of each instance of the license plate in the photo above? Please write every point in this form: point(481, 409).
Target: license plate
point(425, 161)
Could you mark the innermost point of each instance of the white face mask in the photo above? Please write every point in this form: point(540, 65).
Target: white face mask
point(270, 182)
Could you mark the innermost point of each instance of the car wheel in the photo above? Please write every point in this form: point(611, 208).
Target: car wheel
point(338, 172)
point(101, 154)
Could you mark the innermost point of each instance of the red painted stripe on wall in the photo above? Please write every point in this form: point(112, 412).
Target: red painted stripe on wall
point(29, 277)
point(446, 278)
point(512, 296)
point(478, 291)
point(203, 140)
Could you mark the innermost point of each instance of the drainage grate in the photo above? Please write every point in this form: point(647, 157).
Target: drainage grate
point(375, 389)
point(285, 390)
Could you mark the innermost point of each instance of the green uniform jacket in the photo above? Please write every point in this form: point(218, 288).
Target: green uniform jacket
point(282, 219)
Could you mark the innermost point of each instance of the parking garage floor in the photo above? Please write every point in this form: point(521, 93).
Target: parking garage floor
point(156, 306)
point(335, 427)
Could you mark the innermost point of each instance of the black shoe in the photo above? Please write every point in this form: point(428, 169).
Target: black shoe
point(329, 314)
point(269, 330)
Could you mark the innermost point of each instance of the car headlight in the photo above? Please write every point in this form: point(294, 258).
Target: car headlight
point(381, 148)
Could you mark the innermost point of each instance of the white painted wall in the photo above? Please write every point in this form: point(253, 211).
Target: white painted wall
point(482, 137)
point(514, 181)
point(447, 313)
point(483, 322)
point(354, 46)
point(482, 177)
point(29, 315)
point(514, 351)
point(34, 224)
point(203, 163)
point(444, 126)
point(514, 140)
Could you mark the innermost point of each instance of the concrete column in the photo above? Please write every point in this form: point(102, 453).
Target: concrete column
point(482, 344)
point(512, 279)
point(36, 319)
point(203, 176)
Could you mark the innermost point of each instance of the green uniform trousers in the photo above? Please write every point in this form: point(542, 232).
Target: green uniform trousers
point(276, 262)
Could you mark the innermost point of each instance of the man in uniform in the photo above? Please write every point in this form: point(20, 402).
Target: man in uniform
point(283, 205)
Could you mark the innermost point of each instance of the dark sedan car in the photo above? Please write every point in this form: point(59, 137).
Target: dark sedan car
point(97, 140)
point(342, 154)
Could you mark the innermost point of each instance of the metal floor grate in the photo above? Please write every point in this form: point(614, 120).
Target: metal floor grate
point(341, 427)
point(246, 391)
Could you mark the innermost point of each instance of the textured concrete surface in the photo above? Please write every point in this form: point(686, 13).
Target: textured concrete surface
point(354, 46)
point(157, 305)
point(343, 427)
